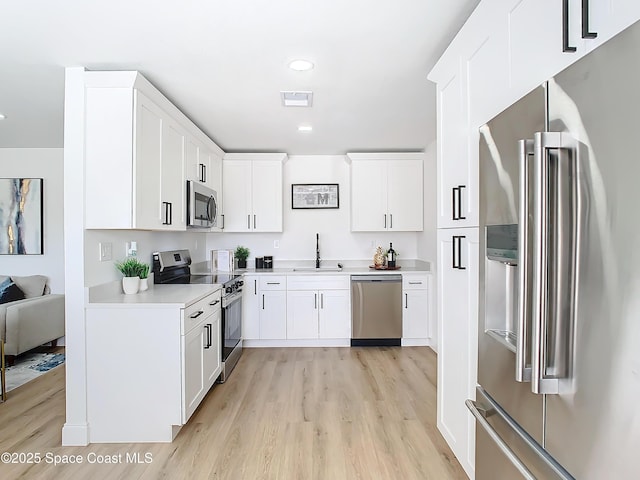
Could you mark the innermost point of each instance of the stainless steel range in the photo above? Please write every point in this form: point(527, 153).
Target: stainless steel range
point(173, 266)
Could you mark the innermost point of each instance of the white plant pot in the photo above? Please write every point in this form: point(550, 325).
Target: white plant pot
point(144, 284)
point(130, 285)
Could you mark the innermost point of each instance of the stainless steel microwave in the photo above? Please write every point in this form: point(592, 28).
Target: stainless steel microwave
point(202, 206)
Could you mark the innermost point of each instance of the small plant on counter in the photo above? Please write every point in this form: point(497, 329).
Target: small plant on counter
point(241, 253)
point(130, 267)
point(143, 270)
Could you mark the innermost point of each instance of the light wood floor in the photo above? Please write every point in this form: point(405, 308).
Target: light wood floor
point(291, 413)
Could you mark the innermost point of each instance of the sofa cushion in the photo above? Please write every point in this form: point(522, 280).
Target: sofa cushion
point(10, 292)
point(31, 285)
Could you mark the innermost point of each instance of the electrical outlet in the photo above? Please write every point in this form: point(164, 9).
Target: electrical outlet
point(132, 249)
point(276, 244)
point(106, 251)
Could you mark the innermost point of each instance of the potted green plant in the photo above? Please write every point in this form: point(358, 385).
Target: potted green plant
point(143, 273)
point(241, 253)
point(130, 269)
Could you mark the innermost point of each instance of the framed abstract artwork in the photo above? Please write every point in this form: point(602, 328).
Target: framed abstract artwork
point(315, 195)
point(21, 223)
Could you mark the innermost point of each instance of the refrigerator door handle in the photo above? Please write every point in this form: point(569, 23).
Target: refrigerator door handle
point(477, 412)
point(492, 408)
point(555, 234)
point(523, 340)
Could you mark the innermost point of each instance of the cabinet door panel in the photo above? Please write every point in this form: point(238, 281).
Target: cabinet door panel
point(212, 354)
point(415, 314)
point(457, 338)
point(273, 315)
point(173, 188)
point(536, 54)
point(251, 308)
point(147, 184)
point(452, 133)
point(302, 314)
point(267, 196)
point(194, 387)
point(335, 314)
point(404, 199)
point(369, 196)
point(236, 194)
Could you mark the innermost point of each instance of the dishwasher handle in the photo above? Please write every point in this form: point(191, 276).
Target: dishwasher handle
point(376, 278)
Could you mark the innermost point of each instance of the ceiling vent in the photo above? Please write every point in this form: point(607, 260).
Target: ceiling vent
point(296, 99)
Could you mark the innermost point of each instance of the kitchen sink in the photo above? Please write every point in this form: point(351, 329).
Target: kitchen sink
point(321, 269)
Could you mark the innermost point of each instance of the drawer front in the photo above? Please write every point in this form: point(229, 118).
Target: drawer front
point(318, 282)
point(195, 313)
point(414, 281)
point(273, 282)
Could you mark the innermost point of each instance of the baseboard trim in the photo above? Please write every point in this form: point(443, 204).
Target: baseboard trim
point(75, 435)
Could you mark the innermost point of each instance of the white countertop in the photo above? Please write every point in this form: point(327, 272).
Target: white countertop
point(174, 295)
point(288, 267)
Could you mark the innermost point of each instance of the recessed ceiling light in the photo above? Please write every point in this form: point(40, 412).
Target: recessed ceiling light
point(2, 117)
point(300, 65)
point(305, 128)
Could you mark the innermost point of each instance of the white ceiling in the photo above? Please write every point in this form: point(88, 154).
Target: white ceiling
point(224, 62)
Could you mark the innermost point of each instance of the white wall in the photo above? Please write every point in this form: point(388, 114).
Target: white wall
point(46, 163)
point(298, 240)
point(427, 239)
point(97, 272)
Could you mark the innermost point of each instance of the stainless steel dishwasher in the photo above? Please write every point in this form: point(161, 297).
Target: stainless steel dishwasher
point(376, 310)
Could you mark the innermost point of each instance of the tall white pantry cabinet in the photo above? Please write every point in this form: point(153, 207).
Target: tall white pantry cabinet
point(495, 59)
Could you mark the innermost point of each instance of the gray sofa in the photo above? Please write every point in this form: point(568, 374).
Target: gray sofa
point(33, 321)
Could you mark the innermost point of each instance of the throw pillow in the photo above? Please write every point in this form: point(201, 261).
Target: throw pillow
point(10, 292)
point(31, 285)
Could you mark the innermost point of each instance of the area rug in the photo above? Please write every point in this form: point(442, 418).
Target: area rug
point(30, 366)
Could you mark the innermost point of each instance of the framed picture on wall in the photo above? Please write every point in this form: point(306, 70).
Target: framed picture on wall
point(21, 223)
point(315, 195)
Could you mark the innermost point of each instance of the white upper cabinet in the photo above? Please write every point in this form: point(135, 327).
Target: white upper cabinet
point(137, 148)
point(386, 192)
point(252, 192)
point(457, 174)
point(606, 18)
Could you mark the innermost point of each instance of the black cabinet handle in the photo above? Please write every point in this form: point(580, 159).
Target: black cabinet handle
point(214, 303)
point(406, 300)
point(565, 28)
point(385, 220)
point(255, 287)
point(456, 261)
point(391, 220)
point(208, 329)
point(456, 202)
point(454, 196)
point(263, 301)
point(585, 21)
point(196, 315)
point(222, 216)
point(167, 213)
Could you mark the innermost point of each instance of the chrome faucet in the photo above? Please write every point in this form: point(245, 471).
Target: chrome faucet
point(317, 250)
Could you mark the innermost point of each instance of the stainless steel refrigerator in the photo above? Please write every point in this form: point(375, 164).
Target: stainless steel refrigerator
point(559, 306)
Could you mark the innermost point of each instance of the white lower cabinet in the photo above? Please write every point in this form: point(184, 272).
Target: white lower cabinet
point(318, 307)
point(201, 351)
point(273, 307)
point(415, 307)
point(318, 314)
point(166, 361)
point(250, 308)
point(458, 271)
